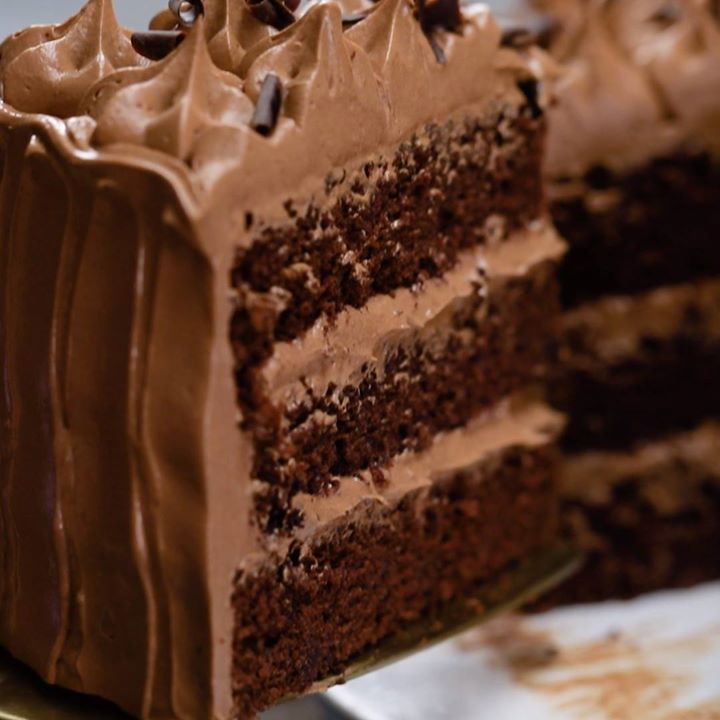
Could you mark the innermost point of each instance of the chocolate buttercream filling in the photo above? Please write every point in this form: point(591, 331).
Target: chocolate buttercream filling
point(666, 468)
point(390, 368)
point(515, 422)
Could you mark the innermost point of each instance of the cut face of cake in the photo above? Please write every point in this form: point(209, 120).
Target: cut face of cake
point(275, 296)
point(633, 168)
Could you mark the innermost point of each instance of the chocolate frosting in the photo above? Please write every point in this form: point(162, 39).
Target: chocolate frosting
point(641, 79)
point(326, 78)
point(379, 74)
point(102, 477)
point(342, 350)
point(618, 328)
point(521, 421)
point(48, 69)
point(121, 463)
point(170, 105)
point(231, 30)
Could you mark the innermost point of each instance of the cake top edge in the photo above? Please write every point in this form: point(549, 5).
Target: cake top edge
point(221, 85)
point(229, 84)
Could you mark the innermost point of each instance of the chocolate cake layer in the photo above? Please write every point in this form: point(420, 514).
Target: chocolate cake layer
point(639, 366)
point(649, 518)
point(628, 232)
point(671, 387)
point(392, 223)
point(496, 341)
point(305, 615)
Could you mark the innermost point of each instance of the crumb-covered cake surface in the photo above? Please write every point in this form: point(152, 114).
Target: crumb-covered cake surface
point(260, 265)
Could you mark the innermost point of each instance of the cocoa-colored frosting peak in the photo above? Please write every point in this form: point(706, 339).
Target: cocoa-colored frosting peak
point(169, 105)
point(396, 48)
point(48, 69)
point(326, 77)
point(231, 30)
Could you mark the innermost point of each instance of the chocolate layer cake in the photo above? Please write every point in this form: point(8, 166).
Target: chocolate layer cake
point(633, 168)
point(275, 287)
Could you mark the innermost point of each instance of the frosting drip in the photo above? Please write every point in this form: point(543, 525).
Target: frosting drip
point(169, 105)
point(48, 69)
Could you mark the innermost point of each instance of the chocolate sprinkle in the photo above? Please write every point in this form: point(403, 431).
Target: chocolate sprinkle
point(267, 110)
point(187, 11)
point(437, 49)
point(435, 14)
point(156, 44)
point(272, 12)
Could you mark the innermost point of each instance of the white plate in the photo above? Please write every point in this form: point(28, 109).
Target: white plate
point(655, 658)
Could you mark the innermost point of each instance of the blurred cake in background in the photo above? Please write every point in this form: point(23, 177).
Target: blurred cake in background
point(633, 168)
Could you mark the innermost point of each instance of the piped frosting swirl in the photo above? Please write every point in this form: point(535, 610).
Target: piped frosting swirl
point(169, 105)
point(326, 77)
point(679, 46)
point(231, 30)
point(48, 69)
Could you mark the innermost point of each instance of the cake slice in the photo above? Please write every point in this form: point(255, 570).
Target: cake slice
point(633, 168)
point(276, 291)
